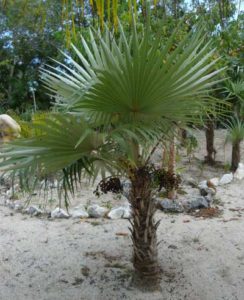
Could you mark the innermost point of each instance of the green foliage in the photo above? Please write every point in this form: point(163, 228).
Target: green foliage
point(125, 94)
point(27, 39)
point(235, 129)
point(190, 143)
point(31, 32)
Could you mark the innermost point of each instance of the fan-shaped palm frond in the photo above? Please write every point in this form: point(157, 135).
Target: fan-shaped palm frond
point(62, 141)
point(134, 89)
point(235, 89)
point(137, 79)
point(235, 129)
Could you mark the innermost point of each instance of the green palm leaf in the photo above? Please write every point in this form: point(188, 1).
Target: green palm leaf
point(123, 92)
point(137, 81)
point(65, 139)
point(235, 129)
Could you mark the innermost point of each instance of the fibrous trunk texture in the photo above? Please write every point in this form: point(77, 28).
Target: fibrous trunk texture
point(145, 254)
point(211, 152)
point(236, 156)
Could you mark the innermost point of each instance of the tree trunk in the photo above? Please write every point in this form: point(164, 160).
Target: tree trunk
point(236, 155)
point(145, 254)
point(172, 167)
point(211, 152)
point(11, 75)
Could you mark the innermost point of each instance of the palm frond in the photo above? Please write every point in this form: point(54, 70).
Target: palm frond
point(235, 129)
point(64, 140)
point(136, 80)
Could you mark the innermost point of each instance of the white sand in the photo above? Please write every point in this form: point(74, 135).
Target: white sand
point(202, 259)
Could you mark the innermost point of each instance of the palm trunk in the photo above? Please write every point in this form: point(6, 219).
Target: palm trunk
point(236, 155)
point(145, 254)
point(211, 152)
point(171, 168)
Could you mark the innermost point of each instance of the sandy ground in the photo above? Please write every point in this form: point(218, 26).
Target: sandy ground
point(202, 259)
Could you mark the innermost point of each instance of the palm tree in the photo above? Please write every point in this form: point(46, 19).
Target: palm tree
point(235, 126)
point(235, 135)
point(235, 93)
point(211, 151)
point(113, 106)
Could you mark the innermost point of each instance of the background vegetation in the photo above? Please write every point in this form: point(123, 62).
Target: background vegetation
point(32, 31)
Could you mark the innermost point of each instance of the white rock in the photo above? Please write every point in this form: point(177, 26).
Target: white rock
point(127, 212)
point(59, 213)
point(18, 205)
point(239, 173)
point(33, 210)
point(203, 184)
point(226, 178)
point(79, 213)
point(215, 181)
point(170, 205)
point(196, 203)
point(116, 213)
point(9, 128)
point(96, 211)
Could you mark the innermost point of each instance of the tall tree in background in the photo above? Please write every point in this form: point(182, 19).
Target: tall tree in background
point(30, 33)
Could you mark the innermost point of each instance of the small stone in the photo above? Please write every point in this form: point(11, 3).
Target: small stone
point(170, 205)
point(59, 213)
point(203, 185)
point(127, 212)
point(116, 213)
point(239, 173)
point(33, 210)
point(79, 213)
point(200, 202)
point(210, 192)
point(214, 181)
point(226, 178)
point(96, 211)
point(18, 205)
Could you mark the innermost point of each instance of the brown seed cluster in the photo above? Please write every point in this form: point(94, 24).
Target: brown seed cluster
point(110, 184)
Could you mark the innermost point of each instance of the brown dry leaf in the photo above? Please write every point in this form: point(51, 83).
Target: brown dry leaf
point(122, 234)
point(210, 212)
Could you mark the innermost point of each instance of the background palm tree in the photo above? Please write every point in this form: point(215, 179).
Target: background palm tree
point(235, 135)
point(112, 107)
point(235, 126)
